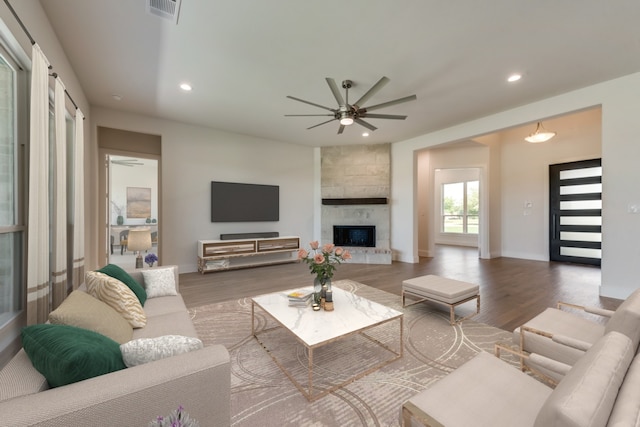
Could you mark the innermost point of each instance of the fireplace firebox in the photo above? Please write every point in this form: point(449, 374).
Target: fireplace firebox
point(354, 235)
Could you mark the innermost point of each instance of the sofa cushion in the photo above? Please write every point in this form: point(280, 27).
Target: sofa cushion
point(626, 410)
point(626, 318)
point(67, 354)
point(159, 282)
point(163, 305)
point(586, 395)
point(145, 350)
point(484, 391)
point(176, 323)
point(559, 322)
point(19, 378)
point(116, 295)
point(84, 311)
point(117, 272)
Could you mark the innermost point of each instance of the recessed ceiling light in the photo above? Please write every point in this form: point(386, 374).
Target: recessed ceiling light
point(116, 97)
point(514, 78)
point(186, 87)
point(365, 134)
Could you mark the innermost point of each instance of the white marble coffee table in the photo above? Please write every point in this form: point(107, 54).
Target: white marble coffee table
point(352, 315)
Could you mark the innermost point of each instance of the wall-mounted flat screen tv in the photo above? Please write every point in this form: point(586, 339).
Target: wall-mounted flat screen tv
point(237, 202)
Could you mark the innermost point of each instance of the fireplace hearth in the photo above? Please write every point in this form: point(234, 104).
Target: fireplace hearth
point(354, 235)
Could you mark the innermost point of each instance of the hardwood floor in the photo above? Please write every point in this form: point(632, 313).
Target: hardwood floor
point(512, 290)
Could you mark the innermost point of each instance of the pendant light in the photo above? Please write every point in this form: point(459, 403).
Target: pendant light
point(540, 135)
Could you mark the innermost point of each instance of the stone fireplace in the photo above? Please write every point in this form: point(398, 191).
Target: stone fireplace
point(355, 192)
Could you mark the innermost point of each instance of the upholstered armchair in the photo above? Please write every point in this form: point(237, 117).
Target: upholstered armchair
point(556, 338)
point(600, 389)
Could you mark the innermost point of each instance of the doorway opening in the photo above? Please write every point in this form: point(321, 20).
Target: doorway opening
point(132, 205)
point(130, 188)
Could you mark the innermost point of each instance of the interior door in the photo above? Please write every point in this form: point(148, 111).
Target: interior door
point(575, 212)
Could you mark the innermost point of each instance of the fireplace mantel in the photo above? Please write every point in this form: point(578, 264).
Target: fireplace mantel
point(356, 201)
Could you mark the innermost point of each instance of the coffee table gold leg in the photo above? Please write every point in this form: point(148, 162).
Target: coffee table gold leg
point(401, 336)
point(311, 373)
point(253, 325)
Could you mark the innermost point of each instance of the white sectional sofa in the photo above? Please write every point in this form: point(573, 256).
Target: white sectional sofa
point(197, 380)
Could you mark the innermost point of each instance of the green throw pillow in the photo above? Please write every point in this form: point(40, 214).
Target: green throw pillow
point(67, 354)
point(118, 273)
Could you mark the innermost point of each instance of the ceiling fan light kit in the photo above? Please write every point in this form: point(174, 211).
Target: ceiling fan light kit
point(540, 135)
point(347, 113)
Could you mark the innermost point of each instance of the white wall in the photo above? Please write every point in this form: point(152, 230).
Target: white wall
point(525, 178)
point(193, 156)
point(620, 101)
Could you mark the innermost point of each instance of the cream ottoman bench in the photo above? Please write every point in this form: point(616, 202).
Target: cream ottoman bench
point(442, 291)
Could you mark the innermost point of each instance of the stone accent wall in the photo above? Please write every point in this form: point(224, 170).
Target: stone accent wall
point(357, 171)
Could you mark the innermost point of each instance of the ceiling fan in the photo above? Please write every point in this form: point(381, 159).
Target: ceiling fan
point(347, 113)
point(127, 162)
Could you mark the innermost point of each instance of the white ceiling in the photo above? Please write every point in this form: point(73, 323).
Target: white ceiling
point(243, 57)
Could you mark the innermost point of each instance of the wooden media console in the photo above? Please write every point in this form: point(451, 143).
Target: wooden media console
point(219, 255)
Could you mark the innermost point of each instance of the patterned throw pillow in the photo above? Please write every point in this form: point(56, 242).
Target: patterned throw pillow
point(145, 350)
point(84, 311)
point(117, 295)
point(159, 282)
point(117, 272)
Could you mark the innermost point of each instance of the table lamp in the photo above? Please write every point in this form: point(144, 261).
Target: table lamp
point(139, 240)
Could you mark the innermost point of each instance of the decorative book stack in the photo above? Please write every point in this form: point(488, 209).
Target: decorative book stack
point(300, 298)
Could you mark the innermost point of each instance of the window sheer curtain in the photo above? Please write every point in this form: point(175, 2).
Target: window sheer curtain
point(59, 255)
point(38, 235)
point(78, 203)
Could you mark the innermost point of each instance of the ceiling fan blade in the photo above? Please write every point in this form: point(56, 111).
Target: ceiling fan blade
point(307, 115)
point(320, 124)
point(336, 92)
point(365, 124)
point(341, 129)
point(375, 88)
point(390, 103)
point(383, 116)
point(309, 102)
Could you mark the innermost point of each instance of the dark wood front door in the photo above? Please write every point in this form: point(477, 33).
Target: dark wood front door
point(575, 212)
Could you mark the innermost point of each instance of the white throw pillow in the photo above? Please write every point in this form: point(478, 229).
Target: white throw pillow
point(145, 350)
point(159, 282)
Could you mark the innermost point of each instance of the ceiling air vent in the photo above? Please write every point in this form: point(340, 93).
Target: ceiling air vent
point(167, 9)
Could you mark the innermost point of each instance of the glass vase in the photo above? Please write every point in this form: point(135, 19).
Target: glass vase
point(317, 290)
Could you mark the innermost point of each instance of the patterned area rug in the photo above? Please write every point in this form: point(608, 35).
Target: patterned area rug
point(262, 395)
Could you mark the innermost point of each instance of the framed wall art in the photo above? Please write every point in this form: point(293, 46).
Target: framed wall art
point(138, 202)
